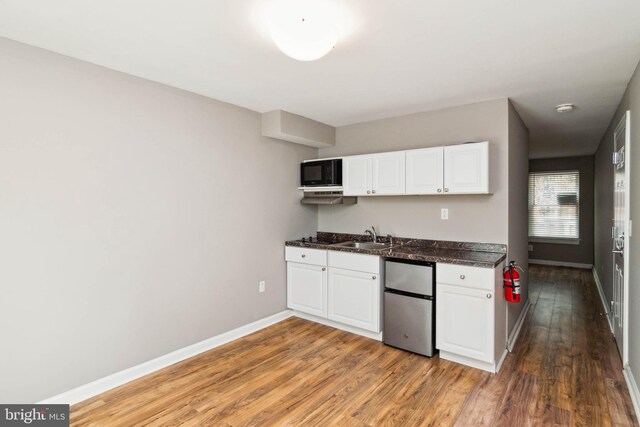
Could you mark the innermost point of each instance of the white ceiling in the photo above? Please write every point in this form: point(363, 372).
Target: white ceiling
point(397, 57)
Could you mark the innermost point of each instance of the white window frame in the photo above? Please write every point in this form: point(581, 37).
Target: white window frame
point(551, 239)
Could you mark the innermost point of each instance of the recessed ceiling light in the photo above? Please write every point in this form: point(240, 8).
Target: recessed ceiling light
point(565, 108)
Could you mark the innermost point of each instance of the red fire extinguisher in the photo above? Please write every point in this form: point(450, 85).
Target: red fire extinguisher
point(512, 282)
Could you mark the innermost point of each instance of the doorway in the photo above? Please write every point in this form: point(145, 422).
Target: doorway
point(620, 235)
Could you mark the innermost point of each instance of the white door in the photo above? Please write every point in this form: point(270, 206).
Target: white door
point(620, 234)
point(388, 173)
point(466, 168)
point(354, 298)
point(356, 175)
point(465, 321)
point(307, 288)
point(425, 174)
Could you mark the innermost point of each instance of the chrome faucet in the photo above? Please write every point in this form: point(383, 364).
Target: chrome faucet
point(373, 233)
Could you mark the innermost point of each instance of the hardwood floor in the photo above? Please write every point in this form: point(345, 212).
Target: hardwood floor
point(564, 371)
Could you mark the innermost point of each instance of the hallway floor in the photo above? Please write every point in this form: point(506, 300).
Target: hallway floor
point(564, 371)
point(566, 359)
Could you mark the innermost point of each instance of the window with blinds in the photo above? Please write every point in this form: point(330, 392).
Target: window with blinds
point(554, 205)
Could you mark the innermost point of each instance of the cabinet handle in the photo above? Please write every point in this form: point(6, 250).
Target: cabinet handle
point(304, 256)
point(373, 277)
point(323, 269)
point(489, 296)
point(439, 190)
point(446, 190)
point(368, 192)
point(373, 191)
point(462, 276)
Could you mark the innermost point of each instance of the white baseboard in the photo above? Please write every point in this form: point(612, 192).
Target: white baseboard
point(561, 263)
point(501, 361)
point(603, 299)
point(341, 326)
point(474, 363)
point(515, 333)
point(101, 385)
point(633, 388)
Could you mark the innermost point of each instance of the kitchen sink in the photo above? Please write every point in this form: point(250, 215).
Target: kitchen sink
point(363, 245)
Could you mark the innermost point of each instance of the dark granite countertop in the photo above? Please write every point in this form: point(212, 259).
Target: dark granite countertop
point(487, 255)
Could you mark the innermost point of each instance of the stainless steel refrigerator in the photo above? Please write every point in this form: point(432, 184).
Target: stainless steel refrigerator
point(409, 306)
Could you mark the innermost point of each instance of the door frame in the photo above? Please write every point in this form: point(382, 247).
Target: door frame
point(625, 122)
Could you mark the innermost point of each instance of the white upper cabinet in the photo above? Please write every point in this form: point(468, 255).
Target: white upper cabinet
point(388, 173)
point(356, 175)
point(455, 169)
point(425, 171)
point(374, 174)
point(466, 168)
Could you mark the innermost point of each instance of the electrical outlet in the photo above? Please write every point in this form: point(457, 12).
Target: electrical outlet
point(444, 213)
point(262, 286)
point(530, 248)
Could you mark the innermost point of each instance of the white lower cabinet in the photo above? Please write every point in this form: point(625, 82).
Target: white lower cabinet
point(307, 288)
point(354, 298)
point(470, 316)
point(342, 287)
point(465, 321)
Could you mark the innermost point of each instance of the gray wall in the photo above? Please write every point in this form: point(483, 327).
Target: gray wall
point(419, 216)
point(476, 218)
point(518, 206)
point(604, 214)
point(135, 219)
point(583, 252)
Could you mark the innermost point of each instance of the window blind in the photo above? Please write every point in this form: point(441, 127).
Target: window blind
point(554, 199)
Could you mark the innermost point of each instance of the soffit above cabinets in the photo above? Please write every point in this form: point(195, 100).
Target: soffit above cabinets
point(423, 56)
point(300, 130)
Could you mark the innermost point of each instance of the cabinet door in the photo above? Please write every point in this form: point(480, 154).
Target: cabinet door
point(465, 321)
point(388, 173)
point(466, 168)
point(354, 298)
point(307, 288)
point(356, 175)
point(425, 173)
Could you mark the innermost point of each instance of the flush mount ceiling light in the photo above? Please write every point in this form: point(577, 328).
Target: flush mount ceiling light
point(305, 30)
point(565, 108)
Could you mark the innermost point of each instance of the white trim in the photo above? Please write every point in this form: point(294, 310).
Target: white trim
point(474, 363)
point(373, 335)
point(101, 385)
point(561, 263)
point(603, 298)
point(504, 356)
point(552, 241)
point(633, 388)
point(626, 123)
point(515, 333)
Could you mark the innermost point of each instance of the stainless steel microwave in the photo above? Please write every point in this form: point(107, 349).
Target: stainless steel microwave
point(321, 173)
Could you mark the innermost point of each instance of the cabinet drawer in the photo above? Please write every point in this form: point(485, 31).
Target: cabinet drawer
point(464, 275)
point(356, 262)
point(305, 255)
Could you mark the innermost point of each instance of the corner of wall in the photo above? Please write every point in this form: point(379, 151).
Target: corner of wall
point(517, 224)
